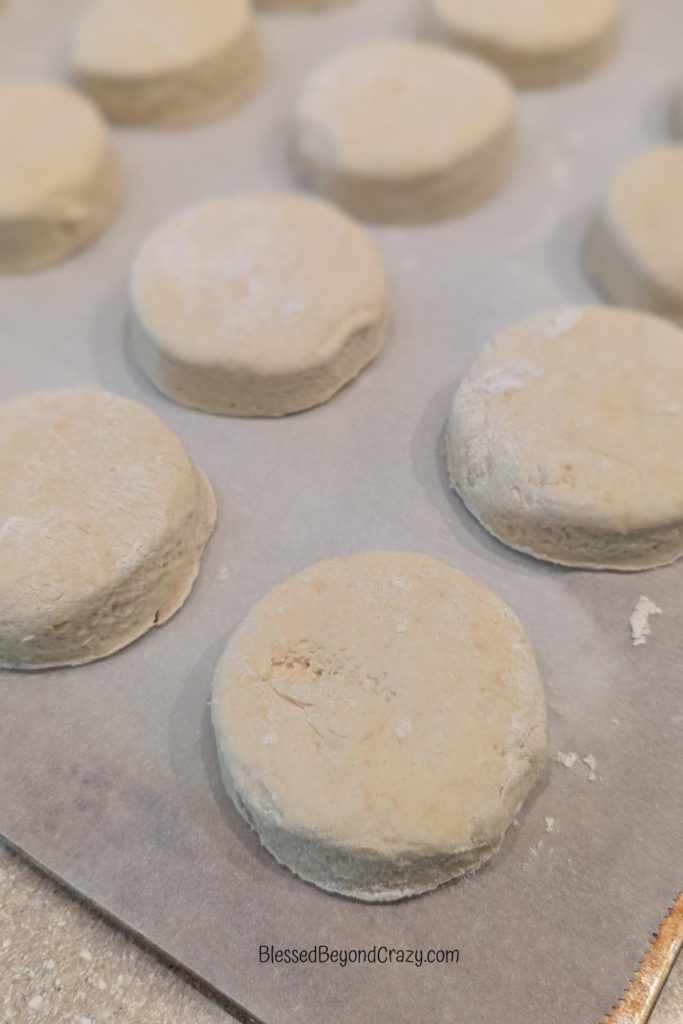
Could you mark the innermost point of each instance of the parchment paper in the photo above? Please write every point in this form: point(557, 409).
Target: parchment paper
point(107, 773)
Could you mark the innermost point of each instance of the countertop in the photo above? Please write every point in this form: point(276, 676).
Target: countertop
point(60, 961)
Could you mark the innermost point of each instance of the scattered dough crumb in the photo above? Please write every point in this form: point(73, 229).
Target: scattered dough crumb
point(568, 760)
point(614, 720)
point(640, 620)
point(534, 852)
point(591, 764)
point(550, 824)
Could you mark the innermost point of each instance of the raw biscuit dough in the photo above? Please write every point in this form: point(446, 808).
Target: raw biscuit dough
point(103, 519)
point(257, 304)
point(535, 42)
point(635, 251)
point(60, 181)
point(380, 720)
point(401, 131)
point(566, 438)
point(168, 62)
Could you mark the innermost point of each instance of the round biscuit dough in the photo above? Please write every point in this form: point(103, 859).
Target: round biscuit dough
point(380, 720)
point(257, 304)
point(60, 181)
point(168, 62)
point(403, 131)
point(535, 42)
point(634, 250)
point(565, 438)
point(103, 519)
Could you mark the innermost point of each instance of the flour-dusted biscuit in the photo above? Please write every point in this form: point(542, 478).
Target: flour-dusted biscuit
point(566, 438)
point(167, 62)
point(635, 248)
point(380, 720)
point(257, 304)
point(103, 519)
point(534, 43)
point(60, 181)
point(400, 131)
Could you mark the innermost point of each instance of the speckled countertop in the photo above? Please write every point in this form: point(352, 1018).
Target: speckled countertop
point(60, 961)
point(669, 1009)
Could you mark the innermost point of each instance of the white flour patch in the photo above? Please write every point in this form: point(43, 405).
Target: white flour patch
point(403, 728)
point(640, 620)
point(15, 526)
point(568, 759)
point(563, 322)
point(514, 376)
point(401, 582)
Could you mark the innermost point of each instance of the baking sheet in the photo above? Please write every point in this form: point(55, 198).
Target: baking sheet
point(107, 773)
